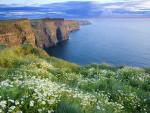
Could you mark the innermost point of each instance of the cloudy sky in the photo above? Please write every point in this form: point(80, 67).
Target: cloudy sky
point(52, 1)
point(48, 1)
point(135, 4)
point(140, 8)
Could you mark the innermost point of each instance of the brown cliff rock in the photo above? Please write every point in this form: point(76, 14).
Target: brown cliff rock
point(42, 33)
point(71, 25)
point(15, 32)
point(52, 31)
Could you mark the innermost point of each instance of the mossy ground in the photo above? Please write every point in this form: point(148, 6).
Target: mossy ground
point(32, 82)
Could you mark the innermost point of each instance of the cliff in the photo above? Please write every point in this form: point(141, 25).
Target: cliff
point(49, 32)
point(15, 32)
point(42, 33)
point(71, 25)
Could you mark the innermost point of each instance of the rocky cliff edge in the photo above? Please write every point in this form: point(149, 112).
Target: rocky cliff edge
point(42, 33)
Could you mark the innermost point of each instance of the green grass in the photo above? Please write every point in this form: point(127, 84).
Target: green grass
point(33, 82)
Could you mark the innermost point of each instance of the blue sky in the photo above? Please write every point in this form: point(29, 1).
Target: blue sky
point(52, 1)
point(132, 4)
point(140, 8)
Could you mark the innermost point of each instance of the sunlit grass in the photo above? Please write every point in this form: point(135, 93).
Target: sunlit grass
point(32, 82)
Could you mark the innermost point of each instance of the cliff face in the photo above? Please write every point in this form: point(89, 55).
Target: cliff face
point(49, 32)
point(15, 32)
point(71, 25)
point(42, 33)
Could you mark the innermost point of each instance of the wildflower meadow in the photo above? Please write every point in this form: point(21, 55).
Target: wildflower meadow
point(33, 82)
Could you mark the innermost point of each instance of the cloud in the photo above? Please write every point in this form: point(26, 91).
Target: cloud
point(128, 4)
point(139, 5)
point(144, 4)
point(140, 8)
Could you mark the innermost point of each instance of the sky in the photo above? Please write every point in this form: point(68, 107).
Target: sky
point(145, 4)
point(113, 7)
point(53, 1)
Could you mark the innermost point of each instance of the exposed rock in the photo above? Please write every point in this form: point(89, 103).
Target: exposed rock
point(71, 25)
point(43, 33)
point(15, 32)
point(52, 31)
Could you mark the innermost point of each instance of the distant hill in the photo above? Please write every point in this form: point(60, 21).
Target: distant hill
point(73, 10)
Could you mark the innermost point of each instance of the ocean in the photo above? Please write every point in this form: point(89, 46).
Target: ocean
point(108, 40)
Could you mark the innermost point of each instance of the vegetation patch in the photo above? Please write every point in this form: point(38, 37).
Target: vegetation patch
point(33, 82)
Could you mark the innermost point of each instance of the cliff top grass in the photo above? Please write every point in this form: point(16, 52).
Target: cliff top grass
point(33, 82)
point(13, 26)
point(47, 19)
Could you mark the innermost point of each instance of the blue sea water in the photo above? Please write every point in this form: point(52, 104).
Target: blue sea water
point(112, 41)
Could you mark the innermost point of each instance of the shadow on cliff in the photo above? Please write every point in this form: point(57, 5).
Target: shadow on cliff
point(60, 49)
point(61, 44)
point(59, 34)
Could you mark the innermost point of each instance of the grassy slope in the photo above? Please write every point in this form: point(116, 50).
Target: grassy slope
point(31, 82)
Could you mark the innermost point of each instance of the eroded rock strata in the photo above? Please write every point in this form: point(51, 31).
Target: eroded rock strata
point(15, 32)
point(42, 33)
point(71, 25)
